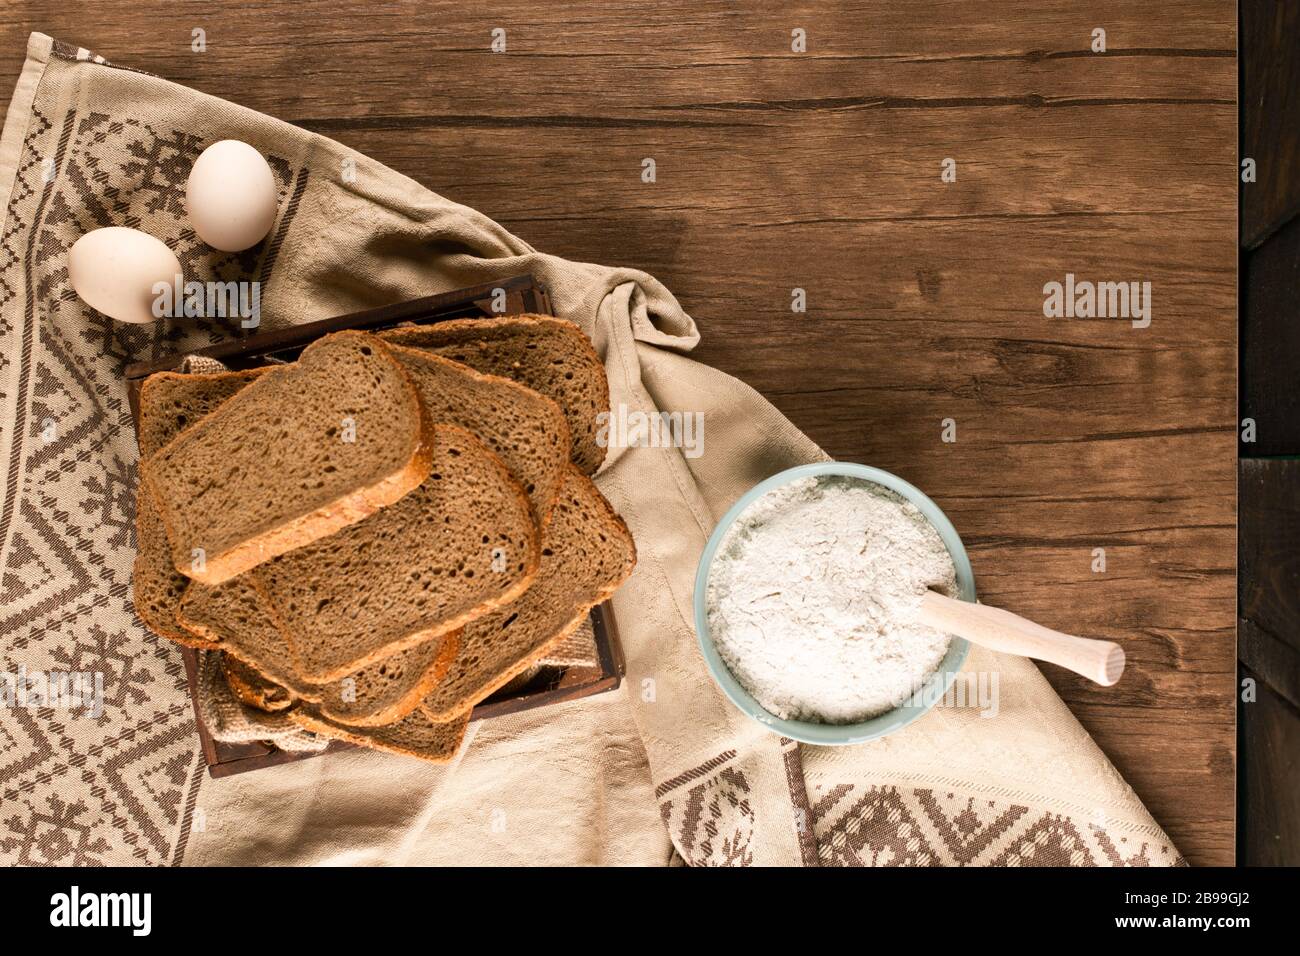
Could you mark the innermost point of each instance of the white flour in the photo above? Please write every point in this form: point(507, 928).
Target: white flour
point(812, 598)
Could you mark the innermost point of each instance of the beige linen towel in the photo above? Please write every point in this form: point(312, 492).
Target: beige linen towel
point(664, 769)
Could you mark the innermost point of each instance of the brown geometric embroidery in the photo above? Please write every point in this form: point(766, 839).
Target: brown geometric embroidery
point(970, 829)
point(798, 789)
point(712, 822)
point(1050, 840)
point(694, 773)
point(1143, 855)
point(76, 789)
point(60, 834)
point(878, 829)
point(901, 826)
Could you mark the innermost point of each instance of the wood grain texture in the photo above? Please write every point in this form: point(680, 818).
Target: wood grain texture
point(1270, 121)
point(1269, 648)
point(1270, 341)
point(1268, 580)
point(822, 171)
point(1270, 777)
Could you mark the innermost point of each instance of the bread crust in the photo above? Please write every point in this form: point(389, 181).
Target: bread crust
point(473, 695)
point(465, 705)
point(542, 514)
point(308, 720)
point(158, 379)
point(301, 689)
point(319, 523)
point(410, 700)
point(259, 698)
point(532, 561)
point(318, 694)
point(585, 452)
point(169, 627)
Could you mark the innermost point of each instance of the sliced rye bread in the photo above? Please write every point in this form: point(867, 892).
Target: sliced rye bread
point(413, 736)
point(233, 617)
point(460, 545)
point(169, 403)
point(302, 452)
point(157, 586)
point(525, 429)
point(251, 686)
point(550, 356)
point(391, 689)
point(587, 553)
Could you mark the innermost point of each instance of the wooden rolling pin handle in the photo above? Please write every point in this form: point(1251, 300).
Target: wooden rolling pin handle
point(999, 630)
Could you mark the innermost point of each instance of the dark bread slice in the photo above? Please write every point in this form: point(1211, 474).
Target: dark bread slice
point(549, 355)
point(273, 469)
point(461, 544)
point(251, 686)
point(412, 736)
point(526, 430)
point(587, 553)
point(233, 617)
point(156, 584)
point(389, 690)
point(169, 403)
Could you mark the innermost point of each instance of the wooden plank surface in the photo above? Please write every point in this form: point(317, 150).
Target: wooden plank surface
point(1268, 585)
point(1269, 563)
point(821, 171)
point(1270, 343)
point(1270, 770)
point(1270, 122)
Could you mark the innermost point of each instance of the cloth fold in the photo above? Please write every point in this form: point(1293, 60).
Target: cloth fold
point(230, 719)
point(665, 768)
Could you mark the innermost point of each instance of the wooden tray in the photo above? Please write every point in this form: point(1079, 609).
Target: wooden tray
point(521, 294)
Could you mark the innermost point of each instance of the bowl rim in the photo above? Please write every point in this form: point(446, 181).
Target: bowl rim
point(892, 720)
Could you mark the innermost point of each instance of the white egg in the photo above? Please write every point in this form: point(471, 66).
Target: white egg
point(231, 196)
point(115, 270)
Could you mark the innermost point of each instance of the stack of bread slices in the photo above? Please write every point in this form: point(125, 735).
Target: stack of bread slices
point(383, 533)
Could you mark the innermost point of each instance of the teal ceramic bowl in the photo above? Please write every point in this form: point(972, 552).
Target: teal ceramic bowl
point(890, 721)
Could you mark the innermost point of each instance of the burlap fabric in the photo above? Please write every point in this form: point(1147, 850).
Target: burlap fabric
point(228, 718)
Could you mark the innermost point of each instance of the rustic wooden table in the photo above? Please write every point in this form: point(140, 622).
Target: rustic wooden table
point(822, 171)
